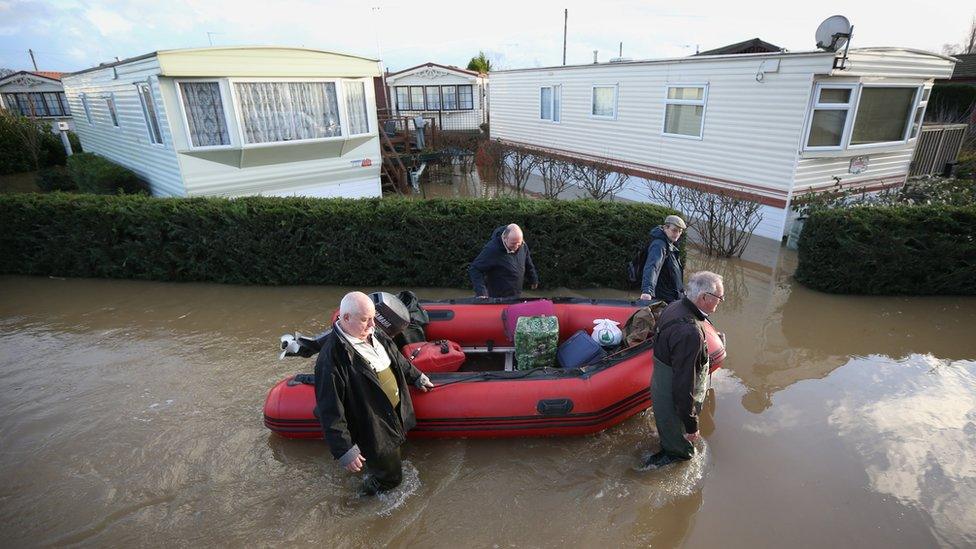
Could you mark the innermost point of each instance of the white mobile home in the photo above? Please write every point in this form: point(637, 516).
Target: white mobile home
point(769, 126)
point(235, 121)
point(38, 95)
point(455, 98)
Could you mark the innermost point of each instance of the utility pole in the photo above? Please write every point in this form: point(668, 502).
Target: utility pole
point(31, 52)
point(565, 24)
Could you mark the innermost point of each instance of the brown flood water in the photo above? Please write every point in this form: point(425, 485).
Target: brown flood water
point(130, 415)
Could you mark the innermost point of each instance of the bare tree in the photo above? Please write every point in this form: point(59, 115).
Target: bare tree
point(722, 220)
point(517, 166)
point(599, 178)
point(557, 175)
point(968, 44)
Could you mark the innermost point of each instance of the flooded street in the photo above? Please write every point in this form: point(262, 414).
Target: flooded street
point(131, 415)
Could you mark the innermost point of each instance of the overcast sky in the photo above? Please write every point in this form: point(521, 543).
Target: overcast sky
point(70, 35)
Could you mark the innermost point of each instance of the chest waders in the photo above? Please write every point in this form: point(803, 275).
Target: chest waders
point(670, 428)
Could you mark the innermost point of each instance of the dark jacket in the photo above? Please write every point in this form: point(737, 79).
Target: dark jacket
point(350, 404)
point(681, 345)
point(662, 271)
point(497, 273)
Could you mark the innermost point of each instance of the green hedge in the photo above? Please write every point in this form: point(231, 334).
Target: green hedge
point(97, 175)
point(360, 243)
point(890, 250)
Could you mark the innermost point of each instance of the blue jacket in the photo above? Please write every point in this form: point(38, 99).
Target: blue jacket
point(497, 273)
point(662, 271)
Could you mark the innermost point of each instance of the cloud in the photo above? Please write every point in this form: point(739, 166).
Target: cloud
point(107, 22)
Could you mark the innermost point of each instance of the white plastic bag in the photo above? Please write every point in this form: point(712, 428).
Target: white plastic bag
point(606, 332)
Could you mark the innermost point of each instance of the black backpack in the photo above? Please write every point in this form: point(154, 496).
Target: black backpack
point(635, 268)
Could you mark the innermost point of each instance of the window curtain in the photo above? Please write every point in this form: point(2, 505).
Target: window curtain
point(356, 107)
point(403, 98)
point(603, 101)
point(465, 97)
point(433, 98)
point(545, 106)
point(450, 97)
point(683, 119)
point(288, 111)
point(205, 114)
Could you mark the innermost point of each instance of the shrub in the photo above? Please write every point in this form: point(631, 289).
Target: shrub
point(263, 240)
point(55, 178)
point(94, 174)
point(75, 143)
point(885, 250)
point(26, 145)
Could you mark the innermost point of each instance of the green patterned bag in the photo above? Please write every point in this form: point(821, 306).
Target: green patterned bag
point(536, 341)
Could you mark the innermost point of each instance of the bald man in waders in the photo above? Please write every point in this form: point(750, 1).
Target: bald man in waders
point(680, 378)
point(361, 395)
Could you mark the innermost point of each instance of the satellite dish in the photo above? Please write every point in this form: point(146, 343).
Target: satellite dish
point(833, 33)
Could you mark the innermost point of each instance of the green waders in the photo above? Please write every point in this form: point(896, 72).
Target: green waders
point(383, 472)
point(670, 428)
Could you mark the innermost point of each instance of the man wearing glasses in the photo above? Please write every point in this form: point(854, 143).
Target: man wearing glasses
point(680, 378)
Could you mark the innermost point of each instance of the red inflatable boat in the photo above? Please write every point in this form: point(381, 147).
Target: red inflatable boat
point(486, 398)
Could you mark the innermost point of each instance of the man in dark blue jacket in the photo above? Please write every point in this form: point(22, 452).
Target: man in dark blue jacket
point(503, 265)
point(662, 271)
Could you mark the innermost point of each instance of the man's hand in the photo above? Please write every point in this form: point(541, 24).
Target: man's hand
point(424, 383)
point(534, 286)
point(646, 297)
point(356, 465)
point(692, 437)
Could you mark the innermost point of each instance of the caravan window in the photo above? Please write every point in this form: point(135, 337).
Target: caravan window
point(110, 105)
point(86, 106)
point(549, 99)
point(356, 107)
point(604, 102)
point(862, 115)
point(831, 114)
point(433, 97)
point(684, 110)
point(919, 113)
point(149, 112)
point(288, 111)
point(465, 98)
point(883, 115)
point(204, 112)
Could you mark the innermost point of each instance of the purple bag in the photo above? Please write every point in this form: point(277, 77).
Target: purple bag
point(536, 307)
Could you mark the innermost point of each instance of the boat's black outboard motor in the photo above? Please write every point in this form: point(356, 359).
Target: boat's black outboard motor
point(392, 317)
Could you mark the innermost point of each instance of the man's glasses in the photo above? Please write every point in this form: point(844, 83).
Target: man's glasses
point(718, 297)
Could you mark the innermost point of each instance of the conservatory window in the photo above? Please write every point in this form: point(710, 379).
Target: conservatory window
point(684, 110)
point(403, 98)
point(417, 98)
point(204, 110)
point(450, 98)
point(604, 102)
point(356, 107)
point(273, 112)
point(465, 98)
point(883, 115)
point(433, 97)
point(149, 112)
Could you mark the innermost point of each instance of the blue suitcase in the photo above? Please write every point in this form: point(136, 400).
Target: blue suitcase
point(579, 350)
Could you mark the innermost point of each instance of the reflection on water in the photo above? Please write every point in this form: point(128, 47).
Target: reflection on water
point(130, 414)
point(913, 423)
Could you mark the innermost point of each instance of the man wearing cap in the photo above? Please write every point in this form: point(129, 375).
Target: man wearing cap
point(662, 271)
point(362, 398)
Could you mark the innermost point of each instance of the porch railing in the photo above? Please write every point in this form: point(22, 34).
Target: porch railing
point(938, 145)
